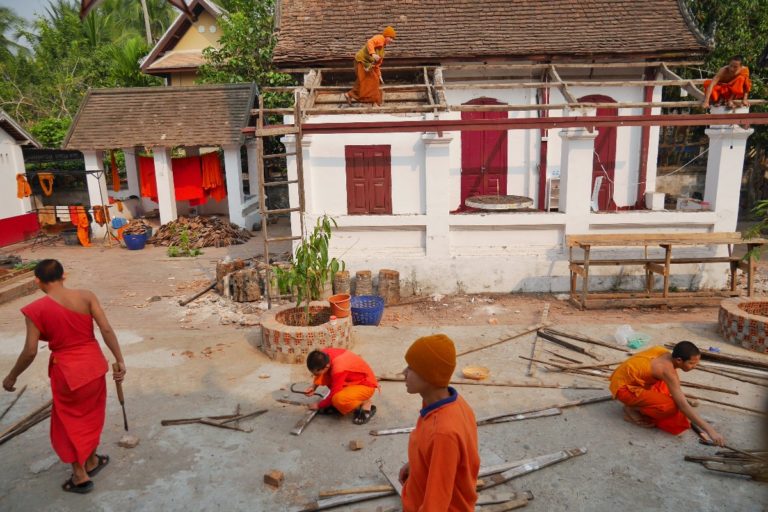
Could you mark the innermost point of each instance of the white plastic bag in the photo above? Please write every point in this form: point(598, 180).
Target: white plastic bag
point(623, 334)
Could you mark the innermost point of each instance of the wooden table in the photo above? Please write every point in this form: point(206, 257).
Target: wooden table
point(580, 268)
point(498, 203)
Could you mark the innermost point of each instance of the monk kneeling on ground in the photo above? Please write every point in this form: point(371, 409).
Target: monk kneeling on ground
point(350, 379)
point(443, 461)
point(648, 386)
point(64, 318)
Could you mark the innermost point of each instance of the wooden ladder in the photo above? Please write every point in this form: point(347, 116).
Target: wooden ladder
point(263, 131)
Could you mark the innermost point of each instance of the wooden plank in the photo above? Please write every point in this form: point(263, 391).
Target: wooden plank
point(300, 425)
point(522, 332)
point(570, 65)
point(525, 107)
point(729, 359)
point(355, 490)
point(586, 339)
point(728, 404)
point(393, 480)
point(657, 268)
point(507, 505)
point(608, 303)
point(687, 84)
point(13, 402)
point(536, 464)
point(578, 269)
point(640, 239)
point(565, 344)
point(673, 261)
point(470, 382)
point(590, 366)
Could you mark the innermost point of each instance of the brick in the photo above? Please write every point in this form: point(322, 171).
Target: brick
point(356, 445)
point(274, 478)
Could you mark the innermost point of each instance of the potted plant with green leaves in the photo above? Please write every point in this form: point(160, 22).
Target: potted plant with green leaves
point(311, 268)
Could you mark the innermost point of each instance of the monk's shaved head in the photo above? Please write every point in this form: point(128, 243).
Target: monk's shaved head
point(317, 360)
point(49, 271)
point(685, 350)
point(737, 58)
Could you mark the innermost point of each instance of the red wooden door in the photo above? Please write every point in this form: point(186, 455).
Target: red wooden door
point(604, 159)
point(369, 180)
point(483, 157)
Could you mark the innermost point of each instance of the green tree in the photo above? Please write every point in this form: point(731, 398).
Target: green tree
point(246, 45)
point(10, 24)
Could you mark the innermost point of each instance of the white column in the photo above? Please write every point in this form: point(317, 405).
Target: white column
point(233, 169)
point(437, 190)
point(576, 177)
point(253, 168)
point(97, 185)
point(166, 194)
point(11, 164)
point(725, 164)
point(132, 172)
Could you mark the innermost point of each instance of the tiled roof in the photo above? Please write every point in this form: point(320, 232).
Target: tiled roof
point(162, 116)
point(325, 31)
point(177, 60)
point(15, 130)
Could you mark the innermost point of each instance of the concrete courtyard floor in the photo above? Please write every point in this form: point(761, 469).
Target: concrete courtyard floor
point(182, 362)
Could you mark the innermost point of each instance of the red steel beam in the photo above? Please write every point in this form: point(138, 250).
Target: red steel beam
point(532, 123)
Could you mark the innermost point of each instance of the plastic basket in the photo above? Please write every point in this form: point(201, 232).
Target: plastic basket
point(367, 309)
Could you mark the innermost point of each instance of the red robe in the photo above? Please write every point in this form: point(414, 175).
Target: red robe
point(76, 368)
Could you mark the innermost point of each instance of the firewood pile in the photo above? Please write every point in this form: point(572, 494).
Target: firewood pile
point(200, 232)
point(136, 227)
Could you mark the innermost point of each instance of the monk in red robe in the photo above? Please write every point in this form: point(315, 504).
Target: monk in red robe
point(368, 61)
point(648, 386)
point(64, 318)
point(730, 83)
point(350, 379)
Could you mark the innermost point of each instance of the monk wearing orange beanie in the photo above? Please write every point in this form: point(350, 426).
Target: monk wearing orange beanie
point(443, 461)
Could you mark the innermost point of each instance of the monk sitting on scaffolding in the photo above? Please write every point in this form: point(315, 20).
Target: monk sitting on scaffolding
point(368, 61)
point(730, 83)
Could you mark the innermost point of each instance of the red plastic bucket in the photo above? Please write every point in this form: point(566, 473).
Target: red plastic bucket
point(340, 305)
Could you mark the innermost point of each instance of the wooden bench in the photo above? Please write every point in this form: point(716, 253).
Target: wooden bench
point(580, 267)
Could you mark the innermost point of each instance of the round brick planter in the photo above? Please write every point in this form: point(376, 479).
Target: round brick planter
point(743, 322)
point(291, 344)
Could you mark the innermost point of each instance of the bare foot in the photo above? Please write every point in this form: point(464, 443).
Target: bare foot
point(730, 104)
point(348, 98)
point(634, 417)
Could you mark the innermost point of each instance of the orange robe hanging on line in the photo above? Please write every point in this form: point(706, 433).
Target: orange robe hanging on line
point(115, 172)
point(80, 219)
point(633, 384)
point(367, 88)
point(350, 380)
point(76, 369)
point(147, 181)
point(213, 179)
point(733, 90)
point(22, 187)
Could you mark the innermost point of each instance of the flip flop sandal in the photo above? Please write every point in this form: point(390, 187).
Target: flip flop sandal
point(330, 410)
point(82, 488)
point(103, 461)
point(364, 416)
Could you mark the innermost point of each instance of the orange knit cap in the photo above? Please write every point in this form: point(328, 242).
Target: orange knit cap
point(389, 32)
point(433, 358)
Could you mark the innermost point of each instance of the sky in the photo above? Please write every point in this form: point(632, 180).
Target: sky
point(25, 8)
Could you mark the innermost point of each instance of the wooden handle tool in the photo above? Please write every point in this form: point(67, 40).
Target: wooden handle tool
point(120, 397)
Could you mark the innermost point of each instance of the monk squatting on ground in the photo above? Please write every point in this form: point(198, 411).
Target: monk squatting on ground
point(648, 386)
point(350, 379)
point(730, 83)
point(64, 318)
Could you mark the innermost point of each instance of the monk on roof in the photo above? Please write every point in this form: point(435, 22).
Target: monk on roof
point(64, 318)
point(350, 379)
point(648, 386)
point(368, 61)
point(730, 83)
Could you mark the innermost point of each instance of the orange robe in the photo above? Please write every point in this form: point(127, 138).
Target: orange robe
point(76, 368)
point(83, 226)
point(733, 90)
point(367, 88)
point(350, 380)
point(22, 187)
point(213, 179)
point(633, 384)
point(443, 458)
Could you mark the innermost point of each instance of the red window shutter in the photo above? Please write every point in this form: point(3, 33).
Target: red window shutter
point(369, 180)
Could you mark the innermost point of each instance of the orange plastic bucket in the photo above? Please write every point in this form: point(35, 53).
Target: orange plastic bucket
point(340, 305)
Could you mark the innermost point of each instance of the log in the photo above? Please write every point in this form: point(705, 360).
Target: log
point(389, 286)
point(522, 332)
point(224, 268)
point(244, 285)
point(566, 344)
point(199, 294)
point(341, 282)
point(535, 465)
point(363, 282)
